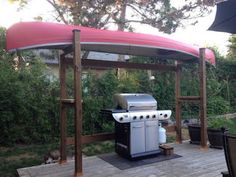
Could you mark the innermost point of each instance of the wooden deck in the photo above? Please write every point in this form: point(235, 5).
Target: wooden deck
point(193, 163)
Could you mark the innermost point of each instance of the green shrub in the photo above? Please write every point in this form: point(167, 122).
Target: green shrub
point(219, 123)
point(28, 105)
point(217, 106)
point(232, 127)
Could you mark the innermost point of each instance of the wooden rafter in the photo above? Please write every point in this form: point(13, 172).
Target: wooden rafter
point(101, 64)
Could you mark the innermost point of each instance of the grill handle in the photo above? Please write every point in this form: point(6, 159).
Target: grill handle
point(151, 125)
point(140, 126)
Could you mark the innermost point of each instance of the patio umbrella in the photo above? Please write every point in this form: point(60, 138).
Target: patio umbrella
point(225, 19)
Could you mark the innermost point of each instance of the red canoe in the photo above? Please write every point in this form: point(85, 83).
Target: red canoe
point(32, 35)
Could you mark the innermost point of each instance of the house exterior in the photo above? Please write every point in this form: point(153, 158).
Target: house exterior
point(50, 58)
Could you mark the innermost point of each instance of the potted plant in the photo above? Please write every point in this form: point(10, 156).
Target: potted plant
point(215, 130)
point(194, 133)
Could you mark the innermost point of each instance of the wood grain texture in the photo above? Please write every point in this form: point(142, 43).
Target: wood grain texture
point(203, 108)
point(78, 103)
point(63, 109)
point(177, 103)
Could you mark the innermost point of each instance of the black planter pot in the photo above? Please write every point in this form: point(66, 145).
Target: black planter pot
point(194, 133)
point(215, 137)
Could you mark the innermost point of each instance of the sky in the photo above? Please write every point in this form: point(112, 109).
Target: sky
point(196, 35)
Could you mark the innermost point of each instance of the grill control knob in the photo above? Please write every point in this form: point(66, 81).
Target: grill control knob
point(153, 116)
point(135, 117)
point(141, 117)
point(165, 116)
point(121, 118)
point(147, 116)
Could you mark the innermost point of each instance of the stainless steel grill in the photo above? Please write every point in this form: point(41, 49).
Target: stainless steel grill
point(136, 124)
point(132, 101)
point(138, 107)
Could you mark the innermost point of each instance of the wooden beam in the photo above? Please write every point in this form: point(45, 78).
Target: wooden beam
point(68, 102)
point(67, 50)
point(105, 136)
point(92, 138)
point(98, 137)
point(202, 79)
point(78, 103)
point(100, 64)
point(63, 116)
point(177, 103)
point(126, 65)
point(189, 99)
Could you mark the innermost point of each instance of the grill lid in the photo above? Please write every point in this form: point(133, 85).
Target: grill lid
point(135, 101)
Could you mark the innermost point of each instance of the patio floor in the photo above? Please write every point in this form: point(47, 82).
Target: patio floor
point(193, 163)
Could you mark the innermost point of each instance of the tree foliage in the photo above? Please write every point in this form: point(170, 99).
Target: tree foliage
point(232, 46)
point(160, 14)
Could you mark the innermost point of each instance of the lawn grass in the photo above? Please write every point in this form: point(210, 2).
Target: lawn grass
point(98, 148)
point(12, 158)
point(20, 156)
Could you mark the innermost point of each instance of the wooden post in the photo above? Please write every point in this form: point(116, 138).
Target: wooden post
point(78, 104)
point(202, 79)
point(63, 116)
point(177, 103)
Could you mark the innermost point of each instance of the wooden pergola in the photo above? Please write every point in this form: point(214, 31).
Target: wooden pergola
point(77, 63)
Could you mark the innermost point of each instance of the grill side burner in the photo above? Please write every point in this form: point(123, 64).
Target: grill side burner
point(136, 124)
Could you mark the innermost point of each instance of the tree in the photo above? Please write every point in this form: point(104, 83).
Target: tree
point(161, 14)
point(232, 46)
